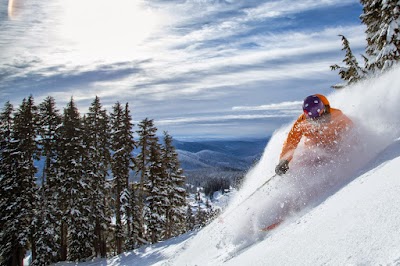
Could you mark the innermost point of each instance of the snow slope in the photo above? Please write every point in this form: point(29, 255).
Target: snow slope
point(347, 212)
point(360, 225)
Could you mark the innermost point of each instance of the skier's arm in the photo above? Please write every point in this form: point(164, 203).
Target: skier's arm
point(292, 140)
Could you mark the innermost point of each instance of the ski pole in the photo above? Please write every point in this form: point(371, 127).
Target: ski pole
point(248, 197)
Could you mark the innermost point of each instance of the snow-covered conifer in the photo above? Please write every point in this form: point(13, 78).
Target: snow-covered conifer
point(382, 20)
point(122, 146)
point(48, 216)
point(383, 33)
point(352, 72)
point(25, 129)
point(190, 218)
point(17, 180)
point(201, 214)
point(176, 209)
point(147, 140)
point(74, 200)
point(9, 250)
point(157, 195)
point(96, 162)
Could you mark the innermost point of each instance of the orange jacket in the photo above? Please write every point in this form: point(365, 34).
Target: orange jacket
point(325, 135)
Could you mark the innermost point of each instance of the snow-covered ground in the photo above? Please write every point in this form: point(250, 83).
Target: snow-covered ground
point(344, 213)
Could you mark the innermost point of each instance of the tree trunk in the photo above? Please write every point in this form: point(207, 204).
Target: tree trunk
point(63, 246)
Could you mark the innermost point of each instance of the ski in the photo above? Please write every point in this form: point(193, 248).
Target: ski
point(271, 226)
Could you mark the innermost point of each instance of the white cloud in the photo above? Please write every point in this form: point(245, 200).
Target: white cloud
point(274, 9)
point(274, 106)
point(271, 47)
point(218, 119)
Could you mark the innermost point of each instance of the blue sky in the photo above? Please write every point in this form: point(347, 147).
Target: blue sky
point(199, 68)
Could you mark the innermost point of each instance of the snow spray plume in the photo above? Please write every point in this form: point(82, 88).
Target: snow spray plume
point(373, 107)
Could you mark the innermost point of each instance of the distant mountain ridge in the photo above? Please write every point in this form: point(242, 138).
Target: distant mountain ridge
point(235, 155)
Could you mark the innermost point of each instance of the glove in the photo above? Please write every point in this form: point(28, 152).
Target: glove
point(282, 167)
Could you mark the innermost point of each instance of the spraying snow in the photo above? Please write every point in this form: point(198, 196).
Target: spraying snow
point(373, 107)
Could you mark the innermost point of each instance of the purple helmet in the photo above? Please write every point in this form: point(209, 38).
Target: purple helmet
point(313, 106)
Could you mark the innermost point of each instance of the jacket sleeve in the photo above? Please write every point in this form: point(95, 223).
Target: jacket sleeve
point(293, 139)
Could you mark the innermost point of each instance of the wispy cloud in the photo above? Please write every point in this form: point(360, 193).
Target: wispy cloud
point(279, 8)
point(202, 57)
point(274, 106)
point(283, 110)
point(219, 119)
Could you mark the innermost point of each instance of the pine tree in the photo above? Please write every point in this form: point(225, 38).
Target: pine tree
point(49, 122)
point(74, 199)
point(147, 140)
point(18, 188)
point(122, 145)
point(48, 216)
point(130, 145)
point(25, 129)
point(190, 219)
point(97, 159)
point(157, 195)
point(10, 252)
point(383, 37)
point(201, 215)
point(352, 72)
point(381, 18)
point(176, 209)
point(133, 240)
point(371, 17)
point(46, 236)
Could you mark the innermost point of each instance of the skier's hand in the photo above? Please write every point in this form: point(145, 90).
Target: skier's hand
point(282, 167)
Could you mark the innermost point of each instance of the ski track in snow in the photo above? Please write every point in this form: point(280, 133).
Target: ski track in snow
point(363, 188)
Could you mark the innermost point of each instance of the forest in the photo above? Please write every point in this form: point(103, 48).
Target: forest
point(94, 196)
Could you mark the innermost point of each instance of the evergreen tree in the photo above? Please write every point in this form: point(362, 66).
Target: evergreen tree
point(352, 72)
point(176, 209)
point(371, 17)
point(49, 122)
point(10, 251)
point(383, 40)
point(25, 129)
point(190, 219)
point(381, 18)
point(130, 145)
point(147, 140)
point(157, 195)
point(201, 215)
point(46, 236)
point(133, 240)
point(18, 188)
point(97, 159)
point(122, 145)
point(74, 198)
point(48, 216)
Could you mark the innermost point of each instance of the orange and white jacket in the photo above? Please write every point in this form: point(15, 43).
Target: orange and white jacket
point(326, 134)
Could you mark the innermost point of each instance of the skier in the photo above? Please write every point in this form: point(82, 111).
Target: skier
point(321, 126)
